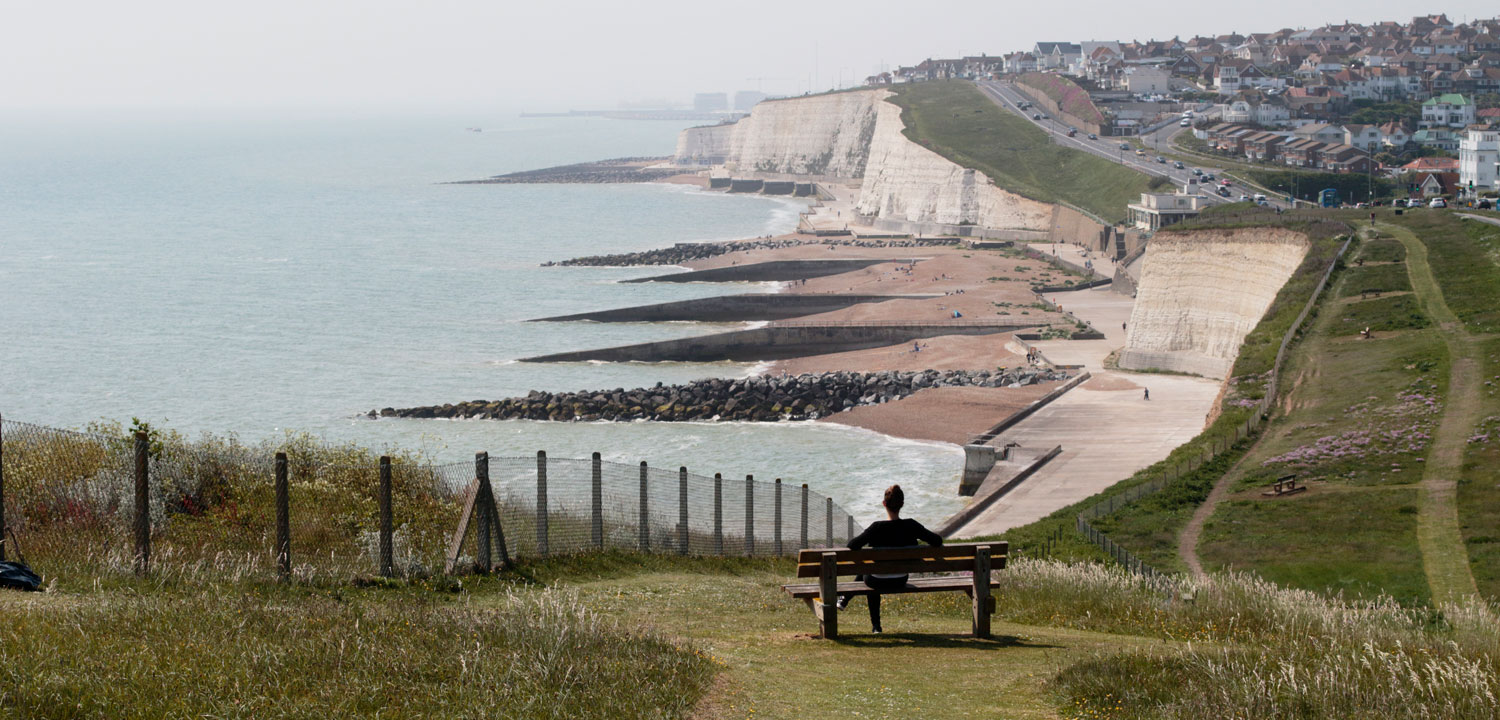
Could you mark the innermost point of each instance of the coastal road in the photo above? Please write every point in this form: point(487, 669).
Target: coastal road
point(1005, 96)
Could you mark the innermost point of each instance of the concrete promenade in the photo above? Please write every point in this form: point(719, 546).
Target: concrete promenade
point(1107, 430)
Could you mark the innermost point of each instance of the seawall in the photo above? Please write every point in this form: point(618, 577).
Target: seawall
point(1201, 292)
point(776, 342)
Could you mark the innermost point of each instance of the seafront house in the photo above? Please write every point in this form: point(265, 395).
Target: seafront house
point(1478, 154)
point(1449, 110)
point(1158, 210)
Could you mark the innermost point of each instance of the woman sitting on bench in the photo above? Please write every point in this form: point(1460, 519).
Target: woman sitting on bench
point(893, 533)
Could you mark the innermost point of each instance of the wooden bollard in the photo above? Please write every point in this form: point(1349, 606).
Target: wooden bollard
point(643, 529)
point(682, 510)
point(802, 543)
point(596, 497)
point(749, 515)
point(283, 519)
point(542, 546)
point(828, 520)
point(142, 503)
point(718, 514)
point(776, 523)
point(387, 561)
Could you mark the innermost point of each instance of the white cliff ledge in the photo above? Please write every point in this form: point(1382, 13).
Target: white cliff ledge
point(1202, 292)
point(858, 136)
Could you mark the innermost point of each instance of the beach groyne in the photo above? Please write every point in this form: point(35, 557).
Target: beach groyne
point(778, 342)
point(731, 308)
point(688, 252)
point(759, 399)
point(774, 270)
point(617, 170)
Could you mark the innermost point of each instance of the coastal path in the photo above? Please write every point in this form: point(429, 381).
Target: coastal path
point(1106, 428)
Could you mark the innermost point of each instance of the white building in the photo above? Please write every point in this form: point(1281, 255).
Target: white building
point(1478, 154)
point(1450, 110)
point(1257, 108)
point(1147, 80)
point(1158, 210)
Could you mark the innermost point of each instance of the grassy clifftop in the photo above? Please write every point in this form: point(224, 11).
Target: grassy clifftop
point(955, 120)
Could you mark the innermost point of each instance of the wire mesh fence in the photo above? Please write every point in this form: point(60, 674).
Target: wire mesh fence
point(213, 507)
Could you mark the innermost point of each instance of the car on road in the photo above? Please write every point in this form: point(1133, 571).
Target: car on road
point(1036, 116)
point(1437, 202)
point(1093, 136)
point(1484, 204)
point(1244, 198)
point(1208, 177)
point(1225, 182)
point(1161, 160)
point(1185, 123)
point(1072, 132)
point(1140, 152)
point(1178, 165)
point(1223, 191)
point(1260, 198)
point(1124, 146)
point(1045, 116)
point(1198, 172)
point(1188, 115)
point(1413, 203)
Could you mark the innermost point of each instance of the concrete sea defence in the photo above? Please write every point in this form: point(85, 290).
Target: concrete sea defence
point(687, 252)
point(1201, 292)
point(730, 308)
point(777, 342)
point(761, 399)
point(774, 270)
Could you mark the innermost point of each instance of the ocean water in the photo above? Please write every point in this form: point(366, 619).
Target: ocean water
point(252, 275)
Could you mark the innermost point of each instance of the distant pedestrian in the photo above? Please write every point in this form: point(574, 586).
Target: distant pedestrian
point(1122, 326)
point(1147, 393)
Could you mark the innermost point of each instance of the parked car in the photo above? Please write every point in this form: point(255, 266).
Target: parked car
point(1437, 202)
point(1093, 136)
point(1178, 165)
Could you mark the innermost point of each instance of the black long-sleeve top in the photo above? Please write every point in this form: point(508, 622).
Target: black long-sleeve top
point(895, 534)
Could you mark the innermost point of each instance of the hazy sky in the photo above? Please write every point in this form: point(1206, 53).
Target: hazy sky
point(553, 54)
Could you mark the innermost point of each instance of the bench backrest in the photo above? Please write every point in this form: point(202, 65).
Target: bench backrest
point(944, 558)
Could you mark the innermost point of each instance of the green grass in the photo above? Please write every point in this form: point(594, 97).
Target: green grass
point(1383, 249)
point(1463, 256)
point(1386, 314)
point(955, 120)
point(1478, 485)
point(1375, 279)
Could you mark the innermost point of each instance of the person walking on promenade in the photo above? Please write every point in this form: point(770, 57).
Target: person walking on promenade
point(1147, 393)
point(893, 532)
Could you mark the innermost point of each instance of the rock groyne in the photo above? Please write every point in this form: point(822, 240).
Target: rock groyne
point(686, 252)
point(758, 399)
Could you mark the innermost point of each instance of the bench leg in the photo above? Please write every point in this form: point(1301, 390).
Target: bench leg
point(828, 597)
point(980, 593)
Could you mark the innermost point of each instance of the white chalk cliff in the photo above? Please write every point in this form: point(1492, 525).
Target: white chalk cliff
point(858, 136)
point(1202, 292)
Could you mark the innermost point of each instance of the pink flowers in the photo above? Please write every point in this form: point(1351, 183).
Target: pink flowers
point(1398, 429)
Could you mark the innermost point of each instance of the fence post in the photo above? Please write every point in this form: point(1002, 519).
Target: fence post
point(484, 504)
point(2, 489)
point(682, 510)
point(597, 498)
point(828, 520)
point(776, 525)
point(387, 564)
point(644, 530)
point(749, 515)
point(803, 543)
point(283, 519)
point(849, 532)
point(491, 507)
point(718, 514)
point(142, 503)
point(541, 503)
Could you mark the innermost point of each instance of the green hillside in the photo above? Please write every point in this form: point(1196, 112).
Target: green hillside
point(955, 120)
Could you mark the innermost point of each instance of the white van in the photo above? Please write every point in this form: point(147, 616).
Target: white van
point(1260, 197)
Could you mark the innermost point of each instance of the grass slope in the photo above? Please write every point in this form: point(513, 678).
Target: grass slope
point(956, 120)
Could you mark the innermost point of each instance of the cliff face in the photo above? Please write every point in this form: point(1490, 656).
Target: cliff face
point(857, 135)
point(905, 181)
point(1202, 292)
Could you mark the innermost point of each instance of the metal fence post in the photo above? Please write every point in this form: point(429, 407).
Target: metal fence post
point(387, 563)
point(828, 520)
point(718, 514)
point(142, 503)
point(2, 489)
point(541, 503)
point(803, 541)
point(749, 515)
point(283, 519)
point(682, 510)
point(484, 537)
point(776, 524)
point(644, 531)
point(596, 497)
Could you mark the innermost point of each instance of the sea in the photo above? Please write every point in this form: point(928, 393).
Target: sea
point(251, 275)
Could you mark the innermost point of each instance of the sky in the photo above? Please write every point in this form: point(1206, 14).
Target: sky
point(553, 54)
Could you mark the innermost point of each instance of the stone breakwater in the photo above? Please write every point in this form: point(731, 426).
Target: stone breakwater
point(618, 170)
point(759, 399)
point(685, 252)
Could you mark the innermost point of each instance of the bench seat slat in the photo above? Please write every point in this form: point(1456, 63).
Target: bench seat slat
point(899, 566)
point(914, 585)
point(957, 550)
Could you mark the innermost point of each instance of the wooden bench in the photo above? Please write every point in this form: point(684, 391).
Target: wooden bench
point(829, 564)
point(1285, 485)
